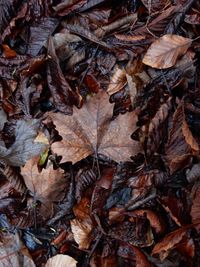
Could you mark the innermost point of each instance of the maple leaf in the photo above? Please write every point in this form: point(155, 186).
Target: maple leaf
point(47, 186)
point(164, 52)
point(91, 130)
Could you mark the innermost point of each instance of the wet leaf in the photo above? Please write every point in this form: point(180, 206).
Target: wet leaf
point(91, 130)
point(63, 96)
point(181, 143)
point(172, 240)
point(24, 147)
point(164, 52)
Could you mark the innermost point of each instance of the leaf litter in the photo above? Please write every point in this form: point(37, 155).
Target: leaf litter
point(99, 133)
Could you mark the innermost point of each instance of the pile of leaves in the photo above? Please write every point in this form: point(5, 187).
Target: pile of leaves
point(99, 133)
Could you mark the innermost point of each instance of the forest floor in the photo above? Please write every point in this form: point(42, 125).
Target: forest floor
point(99, 133)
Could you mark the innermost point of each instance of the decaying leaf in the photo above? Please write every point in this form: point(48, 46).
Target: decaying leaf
point(156, 221)
point(61, 260)
point(118, 81)
point(172, 240)
point(63, 96)
point(133, 254)
point(14, 178)
point(91, 130)
point(194, 173)
point(156, 129)
point(13, 252)
point(181, 143)
point(164, 52)
point(195, 211)
point(46, 186)
point(82, 232)
point(24, 147)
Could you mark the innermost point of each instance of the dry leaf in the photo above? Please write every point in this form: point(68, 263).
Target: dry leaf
point(46, 186)
point(25, 146)
point(164, 52)
point(91, 130)
point(181, 143)
point(195, 210)
point(61, 260)
point(155, 220)
point(118, 81)
point(171, 241)
point(82, 232)
point(13, 253)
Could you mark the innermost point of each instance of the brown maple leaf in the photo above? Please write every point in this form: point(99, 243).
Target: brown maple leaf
point(46, 186)
point(91, 130)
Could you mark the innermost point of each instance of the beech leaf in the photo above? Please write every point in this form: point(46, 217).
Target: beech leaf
point(91, 130)
point(164, 52)
point(61, 260)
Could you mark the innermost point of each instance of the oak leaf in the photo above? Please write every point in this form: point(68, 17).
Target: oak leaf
point(164, 52)
point(91, 130)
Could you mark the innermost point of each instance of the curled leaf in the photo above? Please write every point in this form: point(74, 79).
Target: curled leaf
point(82, 232)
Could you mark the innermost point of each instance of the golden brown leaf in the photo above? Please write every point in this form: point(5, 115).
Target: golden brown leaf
point(181, 143)
point(61, 260)
point(91, 130)
point(118, 81)
point(46, 186)
point(171, 241)
point(82, 232)
point(155, 220)
point(164, 52)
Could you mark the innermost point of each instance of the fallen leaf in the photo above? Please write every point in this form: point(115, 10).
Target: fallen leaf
point(46, 186)
point(82, 232)
point(164, 52)
point(61, 260)
point(63, 96)
point(156, 221)
point(193, 174)
point(118, 81)
point(13, 252)
point(195, 211)
point(133, 254)
point(24, 147)
point(91, 130)
point(171, 241)
point(181, 143)
point(8, 52)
